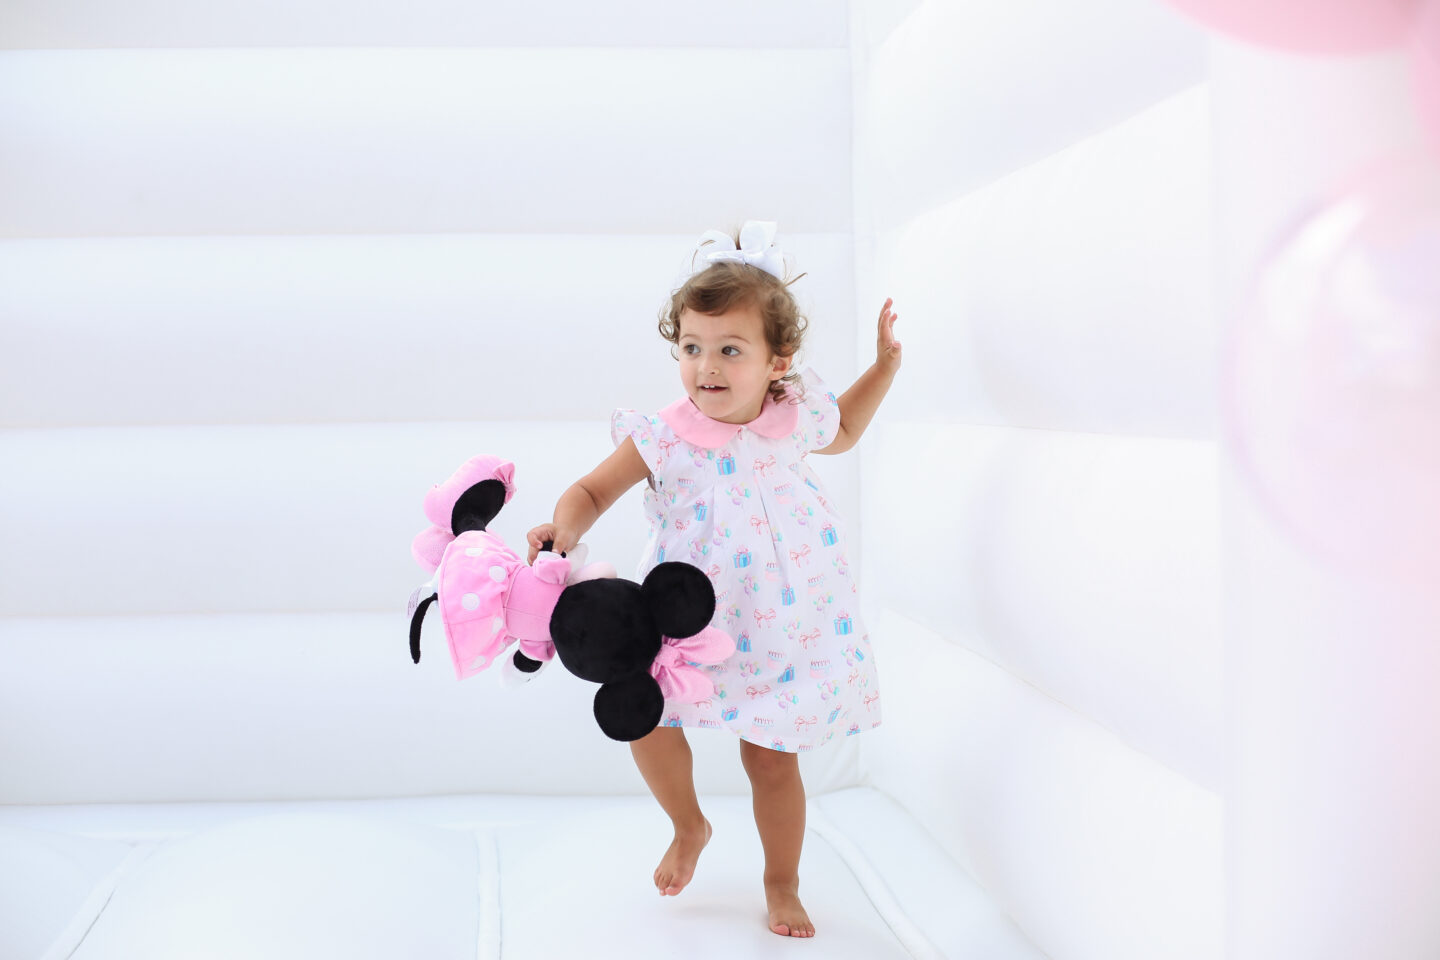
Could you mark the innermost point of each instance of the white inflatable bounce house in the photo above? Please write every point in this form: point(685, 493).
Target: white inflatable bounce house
point(259, 262)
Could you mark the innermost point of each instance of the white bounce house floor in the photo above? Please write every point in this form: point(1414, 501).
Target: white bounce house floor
point(474, 877)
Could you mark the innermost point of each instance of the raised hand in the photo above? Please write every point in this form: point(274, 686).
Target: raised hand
point(887, 348)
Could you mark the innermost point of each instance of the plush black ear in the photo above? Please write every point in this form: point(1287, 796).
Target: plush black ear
point(415, 622)
point(602, 631)
point(630, 708)
point(477, 506)
point(679, 597)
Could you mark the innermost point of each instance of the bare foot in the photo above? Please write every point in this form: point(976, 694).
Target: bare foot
point(787, 917)
point(678, 865)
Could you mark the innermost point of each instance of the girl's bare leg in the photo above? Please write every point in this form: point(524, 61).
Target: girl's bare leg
point(779, 798)
point(665, 761)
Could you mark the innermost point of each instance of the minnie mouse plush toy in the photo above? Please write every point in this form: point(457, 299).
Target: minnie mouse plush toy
point(642, 642)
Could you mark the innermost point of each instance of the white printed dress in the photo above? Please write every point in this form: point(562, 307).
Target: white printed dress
point(740, 502)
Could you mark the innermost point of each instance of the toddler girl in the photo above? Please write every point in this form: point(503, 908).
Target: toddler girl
point(729, 491)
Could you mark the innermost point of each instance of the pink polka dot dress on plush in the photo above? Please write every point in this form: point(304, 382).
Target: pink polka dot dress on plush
point(740, 502)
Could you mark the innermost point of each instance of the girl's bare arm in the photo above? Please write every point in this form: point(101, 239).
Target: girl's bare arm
point(584, 500)
point(857, 408)
point(859, 403)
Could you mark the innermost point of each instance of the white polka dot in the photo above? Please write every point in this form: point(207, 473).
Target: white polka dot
point(478, 662)
point(474, 551)
point(471, 601)
point(498, 574)
point(496, 625)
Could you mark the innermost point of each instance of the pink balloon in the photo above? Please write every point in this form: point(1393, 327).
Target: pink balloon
point(1309, 26)
point(1331, 399)
point(1425, 68)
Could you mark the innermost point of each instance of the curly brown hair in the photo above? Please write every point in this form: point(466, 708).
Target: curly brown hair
point(728, 284)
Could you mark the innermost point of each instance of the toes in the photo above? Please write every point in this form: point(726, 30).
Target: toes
point(786, 929)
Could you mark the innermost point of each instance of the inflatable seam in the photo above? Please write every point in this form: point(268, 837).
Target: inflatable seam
point(876, 891)
point(488, 940)
point(88, 913)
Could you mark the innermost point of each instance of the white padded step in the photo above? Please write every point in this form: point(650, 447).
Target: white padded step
point(126, 331)
point(247, 707)
point(437, 140)
point(259, 518)
point(307, 518)
point(420, 23)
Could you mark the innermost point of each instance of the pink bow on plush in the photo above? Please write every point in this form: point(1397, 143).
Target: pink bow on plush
point(679, 680)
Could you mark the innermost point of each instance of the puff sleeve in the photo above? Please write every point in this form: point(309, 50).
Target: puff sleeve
point(819, 421)
point(630, 423)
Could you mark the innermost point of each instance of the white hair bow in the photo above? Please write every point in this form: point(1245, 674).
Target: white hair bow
point(757, 247)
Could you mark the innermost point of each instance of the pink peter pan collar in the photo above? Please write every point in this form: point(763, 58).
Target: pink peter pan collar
point(776, 420)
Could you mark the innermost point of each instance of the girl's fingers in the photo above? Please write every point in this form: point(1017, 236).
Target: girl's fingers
point(537, 540)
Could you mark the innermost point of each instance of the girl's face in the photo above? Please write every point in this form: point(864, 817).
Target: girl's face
point(727, 350)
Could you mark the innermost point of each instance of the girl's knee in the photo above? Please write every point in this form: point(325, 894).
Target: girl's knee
point(764, 763)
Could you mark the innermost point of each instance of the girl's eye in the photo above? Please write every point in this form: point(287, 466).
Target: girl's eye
point(736, 349)
point(688, 347)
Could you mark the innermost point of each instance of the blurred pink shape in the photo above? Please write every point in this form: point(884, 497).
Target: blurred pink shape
point(1309, 26)
point(1425, 65)
point(1332, 392)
